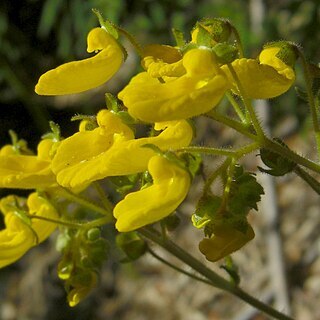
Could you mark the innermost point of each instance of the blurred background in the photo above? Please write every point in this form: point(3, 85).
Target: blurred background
point(37, 35)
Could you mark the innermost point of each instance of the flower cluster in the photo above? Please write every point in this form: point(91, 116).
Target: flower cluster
point(178, 83)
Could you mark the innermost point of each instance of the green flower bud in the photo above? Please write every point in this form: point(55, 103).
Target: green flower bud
point(171, 222)
point(288, 52)
point(65, 268)
point(93, 234)
point(132, 245)
point(278, 165)
point(209, 32)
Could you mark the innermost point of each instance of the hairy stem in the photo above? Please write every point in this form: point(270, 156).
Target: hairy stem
point(215, 280)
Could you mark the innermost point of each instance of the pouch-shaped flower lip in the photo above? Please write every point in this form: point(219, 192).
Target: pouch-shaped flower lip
point(82, 75)
point(192, 94)
point(264, 79)
point(90, 156)
point(17, 238)
point(170, 186)
point(77, 155)
point(27, 171)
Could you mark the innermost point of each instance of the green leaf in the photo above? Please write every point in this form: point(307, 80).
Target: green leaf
point(245, 192)
point(206, 210)
point(193, 162)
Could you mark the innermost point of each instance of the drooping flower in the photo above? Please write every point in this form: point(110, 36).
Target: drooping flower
point(82, 75)
point(170, 186)
point(265, 78)
point(22, 234)
point(225, 240)
point(26, 171)
point(194, 93)
point(111, 150)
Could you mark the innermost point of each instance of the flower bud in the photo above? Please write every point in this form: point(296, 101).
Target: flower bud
point(208, 32)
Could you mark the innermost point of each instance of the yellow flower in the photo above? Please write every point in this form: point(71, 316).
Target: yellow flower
point(226, 240)
point(162, 61)
point(170, 186)
point(111, 150)
point(194, 93)
point(267, 78)
point(78, 76)
point(23, 171)
point(19, 236)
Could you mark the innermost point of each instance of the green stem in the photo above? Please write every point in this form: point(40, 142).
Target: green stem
point(216, 174)
point(208, 150)
point(238, 153)
point(84, 202)
point(312, 182)
point(238, 41)
point(103, 197)
point(247, 103)
point(311, 99)
point(72, 224)
point(289, 154)
point(171, 265)
point(238, 126)
point(237, 108)
point(216, 280)
point(265, 142)
point(246, 149)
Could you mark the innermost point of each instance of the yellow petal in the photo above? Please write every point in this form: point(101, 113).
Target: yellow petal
point(225, 241)
point(39, 206)
point(87, 156)
point(17, 237)
point(193, 94)
point(25, 172)
point(267, 79)
point(77, 157)
point(161, 60)
point(78, 76)
point(170, 187)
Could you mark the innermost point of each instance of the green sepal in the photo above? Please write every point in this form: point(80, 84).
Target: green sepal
point(179, 37)
point(107, 25)
point(216, 29)
point(123, 184)
point(111, 102)
point(244, 192)
point(126, 118)
point(131, 244)
point(302, 94)
point(20, 146)
point(206, 210)
point(278, 165)
point(193, 162)
point(225, 53)
point(55, 134)
point(204, 38)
